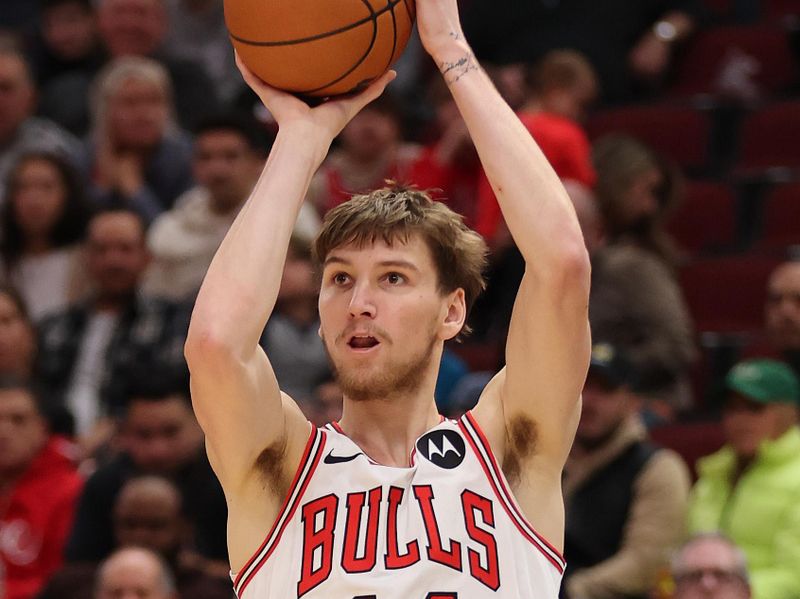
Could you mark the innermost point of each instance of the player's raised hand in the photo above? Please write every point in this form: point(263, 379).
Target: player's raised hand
point(439, 25)
point(327, 119)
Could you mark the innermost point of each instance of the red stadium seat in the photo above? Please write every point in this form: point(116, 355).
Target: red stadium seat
point(769, 138)
point(727, 294)
point(712, 51)
point(706, 220)
point(719, 8)
point(691, 440)
point(781, 224)
point(680, 133)
point(780, 9)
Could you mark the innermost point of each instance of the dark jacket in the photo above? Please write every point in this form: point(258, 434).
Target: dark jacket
point(617, 539)
point(204, 507)
point(149, 331)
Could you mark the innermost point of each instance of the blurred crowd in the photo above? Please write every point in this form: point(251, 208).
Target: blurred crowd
point(129, 142)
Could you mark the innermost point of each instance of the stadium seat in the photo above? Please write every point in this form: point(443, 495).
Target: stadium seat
point(781, 212)
point(769, 138)
point(680, 133)
point(781, 9)
point(706, 219)
point(690, 440)
point(711, 52)
point(727, 294)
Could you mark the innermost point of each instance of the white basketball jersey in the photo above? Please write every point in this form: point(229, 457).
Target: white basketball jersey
point(447, 527)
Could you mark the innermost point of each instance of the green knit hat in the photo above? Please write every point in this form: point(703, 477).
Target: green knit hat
point(764, 381)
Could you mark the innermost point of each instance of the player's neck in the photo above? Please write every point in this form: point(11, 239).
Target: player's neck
point(387, 431)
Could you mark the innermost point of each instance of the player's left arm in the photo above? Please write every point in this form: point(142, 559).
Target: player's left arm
point(529, 412)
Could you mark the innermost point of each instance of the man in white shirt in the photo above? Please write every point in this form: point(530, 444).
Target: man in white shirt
point(88, 351)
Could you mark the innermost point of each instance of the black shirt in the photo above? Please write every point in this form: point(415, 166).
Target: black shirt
point(509, 31)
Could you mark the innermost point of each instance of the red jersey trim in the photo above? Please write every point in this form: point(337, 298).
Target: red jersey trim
point(308, 464)
point(483, 451)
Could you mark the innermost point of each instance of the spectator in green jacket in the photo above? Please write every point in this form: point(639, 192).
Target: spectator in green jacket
point(750, 489)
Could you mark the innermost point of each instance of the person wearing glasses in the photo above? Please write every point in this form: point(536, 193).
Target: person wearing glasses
point(710, 566)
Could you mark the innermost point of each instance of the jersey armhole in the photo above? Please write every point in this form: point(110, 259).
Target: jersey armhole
point(308, 464)
point(497, 480)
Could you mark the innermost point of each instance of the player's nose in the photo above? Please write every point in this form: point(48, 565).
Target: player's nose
point(362, 300)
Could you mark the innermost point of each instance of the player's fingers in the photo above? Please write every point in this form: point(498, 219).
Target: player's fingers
point(243, 68)
point(249, 76)
point(266, 92)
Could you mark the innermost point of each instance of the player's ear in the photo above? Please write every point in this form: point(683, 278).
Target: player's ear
point(456, 314)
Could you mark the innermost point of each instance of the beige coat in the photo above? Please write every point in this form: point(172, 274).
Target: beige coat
point(656, 525)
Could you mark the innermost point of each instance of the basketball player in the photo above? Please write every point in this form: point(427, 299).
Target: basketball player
point(393, 502)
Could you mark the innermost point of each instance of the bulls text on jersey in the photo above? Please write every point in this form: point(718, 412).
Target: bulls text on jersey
point(361, 554)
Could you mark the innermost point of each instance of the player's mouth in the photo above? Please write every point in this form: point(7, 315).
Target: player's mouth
point(362, 343)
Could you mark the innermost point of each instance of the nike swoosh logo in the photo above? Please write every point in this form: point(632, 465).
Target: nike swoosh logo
point(337, 459)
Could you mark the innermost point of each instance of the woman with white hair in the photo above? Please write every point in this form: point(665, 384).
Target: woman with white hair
point(138, 157)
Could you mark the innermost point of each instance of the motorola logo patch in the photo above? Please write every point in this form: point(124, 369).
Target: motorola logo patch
point(444, 448)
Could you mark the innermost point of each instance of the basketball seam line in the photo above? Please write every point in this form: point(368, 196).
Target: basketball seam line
point(372, 17)
point(394, 34)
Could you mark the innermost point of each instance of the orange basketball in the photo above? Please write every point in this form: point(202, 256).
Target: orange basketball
point(319, 47)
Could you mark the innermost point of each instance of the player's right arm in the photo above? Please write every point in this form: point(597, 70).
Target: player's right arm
point(234, 390)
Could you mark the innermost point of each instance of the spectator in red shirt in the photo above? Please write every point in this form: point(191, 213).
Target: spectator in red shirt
point(39, 485)
point(449, 166)
point(562, 86)
point(371, 150)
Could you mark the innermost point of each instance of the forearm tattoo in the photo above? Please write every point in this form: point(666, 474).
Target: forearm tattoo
point(453, 71)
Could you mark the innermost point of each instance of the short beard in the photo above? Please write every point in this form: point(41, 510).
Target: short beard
point(397, 379)
point(594, 443)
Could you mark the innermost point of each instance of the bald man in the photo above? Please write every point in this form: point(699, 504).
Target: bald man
point(710, 566)
point(134, 572)
point(148, 514)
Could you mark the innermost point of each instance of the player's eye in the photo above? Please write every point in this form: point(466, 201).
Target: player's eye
point(340, 278)
point(395, 278)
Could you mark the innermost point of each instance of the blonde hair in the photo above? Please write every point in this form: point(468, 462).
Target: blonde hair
point(396, 213)
point(116, 74)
